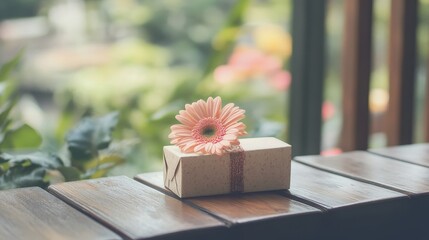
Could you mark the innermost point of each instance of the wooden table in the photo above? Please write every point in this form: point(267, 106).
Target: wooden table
point(379, 194)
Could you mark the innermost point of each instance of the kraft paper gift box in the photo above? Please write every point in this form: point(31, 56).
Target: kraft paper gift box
point(262, 165)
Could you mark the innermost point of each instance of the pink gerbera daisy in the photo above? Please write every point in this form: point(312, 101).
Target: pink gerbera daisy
point(207, 128)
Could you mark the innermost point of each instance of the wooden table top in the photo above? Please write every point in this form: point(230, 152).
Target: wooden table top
point(323, 190)
point(245, 212)
point(382, 194)
point(32, 213)
point(413, 153)
point(400, 176)
point(239, 208)
point(334, 191)
point(134, 210)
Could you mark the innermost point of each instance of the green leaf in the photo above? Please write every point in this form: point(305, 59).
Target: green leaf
point(5, 110)
point(90, 136)
point(7, 89)
point(22, 136)
point(99, 167)
point(3, 127)
point(70, 173)
point(24, 170)
point(104, 161)
point(7, 68)
point(18, 177)
point(35, 158)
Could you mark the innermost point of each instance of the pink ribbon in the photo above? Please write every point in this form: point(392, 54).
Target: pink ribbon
point(237, 164)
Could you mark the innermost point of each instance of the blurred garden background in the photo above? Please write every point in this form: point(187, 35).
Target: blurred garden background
point(145, 59)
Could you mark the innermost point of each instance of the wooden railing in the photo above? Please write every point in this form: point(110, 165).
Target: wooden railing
point(308, 64)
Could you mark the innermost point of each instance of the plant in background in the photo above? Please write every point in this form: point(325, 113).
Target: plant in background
point(18, 170)
point(13, 133)
point(88, 145)
point(22, 165)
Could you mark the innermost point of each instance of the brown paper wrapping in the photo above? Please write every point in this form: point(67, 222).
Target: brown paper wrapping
point(266, 167)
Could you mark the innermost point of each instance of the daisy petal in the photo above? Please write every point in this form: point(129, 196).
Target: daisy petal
point(184, 120)
point(217, 102)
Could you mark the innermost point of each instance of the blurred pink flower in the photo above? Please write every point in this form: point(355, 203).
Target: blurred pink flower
point(331, 152)
point(207, 128)
point(328, 110)
point(281, 80)
point(245, 59)
point(225, 74)
point(268, 64)
point(246, 63)
point(253, 61)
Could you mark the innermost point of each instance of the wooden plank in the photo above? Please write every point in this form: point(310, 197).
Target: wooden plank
point(253, 215)
point(407, 178)
point(413, 153)
point(402, 65)
point(230, 212)
point(400, 176)
point(136, 211)
point(32, 213)
point(256, 214)
point(356, 210)
point(334, 191)
point(356, 71)
point(308, 64)
point(154, 180)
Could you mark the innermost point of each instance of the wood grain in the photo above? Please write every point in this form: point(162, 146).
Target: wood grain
point(154, 180)
point(356, 210)
point(404, 177)
point(32, 213)
point(253, 215)
point(414, 153)
point(238, 208)
point(334, 191)
point(243, 208)
point(136, 211)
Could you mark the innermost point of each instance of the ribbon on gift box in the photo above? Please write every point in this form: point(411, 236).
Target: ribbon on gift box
point(237, 158)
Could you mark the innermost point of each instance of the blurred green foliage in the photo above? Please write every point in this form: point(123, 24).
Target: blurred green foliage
point(13, 134)
point(23, 165)
point(150, 78)
point(155, 57)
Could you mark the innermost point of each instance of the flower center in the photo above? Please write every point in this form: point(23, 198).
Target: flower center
point(208, 130)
